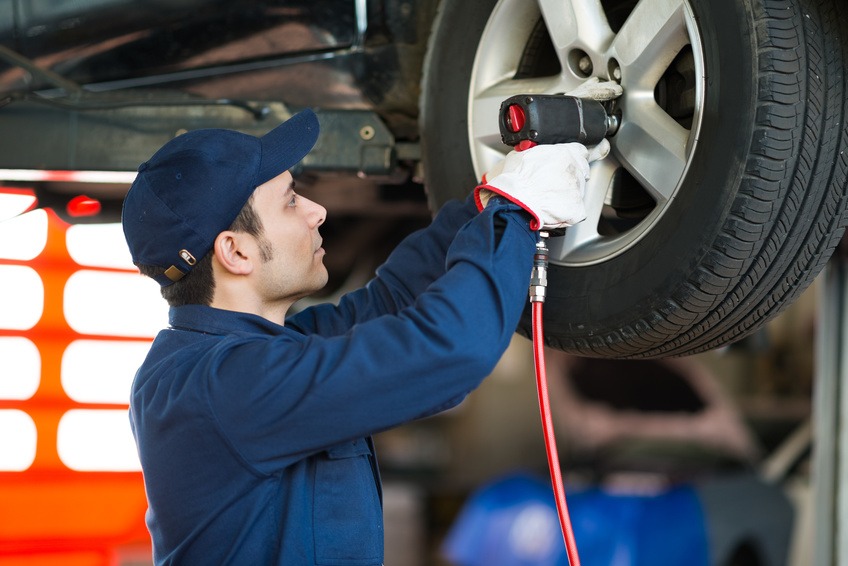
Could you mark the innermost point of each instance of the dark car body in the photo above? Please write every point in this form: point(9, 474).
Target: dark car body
point(100, 85)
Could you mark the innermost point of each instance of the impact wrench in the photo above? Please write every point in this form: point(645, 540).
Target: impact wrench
point(527, 120)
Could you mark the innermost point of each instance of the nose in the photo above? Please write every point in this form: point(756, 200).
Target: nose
point(318, 213)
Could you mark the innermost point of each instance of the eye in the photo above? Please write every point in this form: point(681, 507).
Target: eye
point(293, 199)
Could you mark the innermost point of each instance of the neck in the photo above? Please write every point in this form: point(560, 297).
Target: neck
point(244, 301)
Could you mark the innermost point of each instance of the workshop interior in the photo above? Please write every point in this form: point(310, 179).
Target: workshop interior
point(693, 324)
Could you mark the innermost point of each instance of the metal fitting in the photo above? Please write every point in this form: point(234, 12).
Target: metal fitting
point(539, 274)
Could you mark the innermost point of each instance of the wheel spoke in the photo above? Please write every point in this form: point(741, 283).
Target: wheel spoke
point(509, 27)
point(652, 146)
point(584, 233)
point(580, 23)
point(649, 40)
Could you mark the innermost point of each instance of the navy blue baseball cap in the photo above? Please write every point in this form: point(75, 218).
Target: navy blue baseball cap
point(194, 187)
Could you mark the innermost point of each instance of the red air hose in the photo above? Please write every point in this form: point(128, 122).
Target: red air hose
point(538, 289)
point(538, 283)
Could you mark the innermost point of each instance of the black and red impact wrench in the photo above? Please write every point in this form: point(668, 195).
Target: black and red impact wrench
point(530, 119)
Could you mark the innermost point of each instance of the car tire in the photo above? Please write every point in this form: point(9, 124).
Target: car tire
point(758, 201)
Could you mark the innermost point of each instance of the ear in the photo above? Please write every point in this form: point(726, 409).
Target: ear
point(232, 250)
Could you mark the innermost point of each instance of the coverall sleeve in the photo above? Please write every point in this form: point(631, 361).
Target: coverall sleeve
point(415, 263)
point(280, 399)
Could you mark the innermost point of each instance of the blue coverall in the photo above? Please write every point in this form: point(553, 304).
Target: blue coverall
point(255, 438)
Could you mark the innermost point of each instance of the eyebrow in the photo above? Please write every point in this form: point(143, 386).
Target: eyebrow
point(290, 189)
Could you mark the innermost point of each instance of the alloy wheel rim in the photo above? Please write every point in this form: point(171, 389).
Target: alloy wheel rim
point(655, 54)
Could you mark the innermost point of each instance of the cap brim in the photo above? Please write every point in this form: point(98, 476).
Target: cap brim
point(287, 144)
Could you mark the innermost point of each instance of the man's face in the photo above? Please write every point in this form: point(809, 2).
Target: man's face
point(290, 228)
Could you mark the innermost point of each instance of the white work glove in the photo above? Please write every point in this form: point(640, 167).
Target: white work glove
point(548, 181)
point(596, 90)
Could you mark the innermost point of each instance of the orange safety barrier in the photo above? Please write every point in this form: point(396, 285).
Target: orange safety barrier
point(49, 513)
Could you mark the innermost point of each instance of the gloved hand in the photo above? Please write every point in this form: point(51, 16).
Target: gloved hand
point(596, 90)
point(548, 181)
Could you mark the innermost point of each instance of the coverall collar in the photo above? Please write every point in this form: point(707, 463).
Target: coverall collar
point(210, 320)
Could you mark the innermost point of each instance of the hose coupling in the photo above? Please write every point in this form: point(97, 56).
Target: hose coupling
point(539, 274)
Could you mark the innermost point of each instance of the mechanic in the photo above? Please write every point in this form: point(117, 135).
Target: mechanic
point(253, 430)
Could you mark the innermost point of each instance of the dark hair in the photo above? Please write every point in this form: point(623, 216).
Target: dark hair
point(198, 286)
